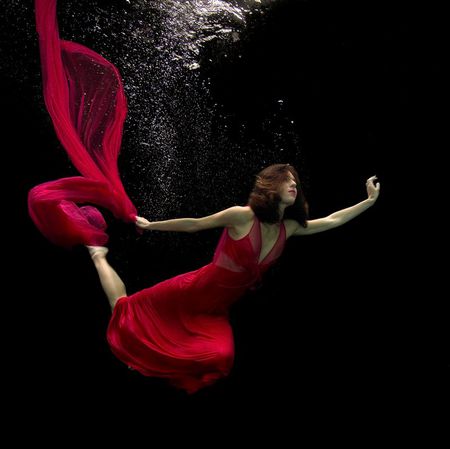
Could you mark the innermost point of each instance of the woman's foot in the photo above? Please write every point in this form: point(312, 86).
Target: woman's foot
point(97, 251)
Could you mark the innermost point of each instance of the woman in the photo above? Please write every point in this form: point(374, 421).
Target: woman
point(178, 329)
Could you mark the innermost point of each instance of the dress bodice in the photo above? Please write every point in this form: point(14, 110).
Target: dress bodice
point(179, 328)
point(242, 255)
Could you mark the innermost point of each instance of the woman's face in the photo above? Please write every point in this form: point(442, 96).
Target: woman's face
point(288, 190)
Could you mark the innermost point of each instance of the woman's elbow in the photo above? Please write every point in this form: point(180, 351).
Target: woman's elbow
point(334, 222)
point(194, 225)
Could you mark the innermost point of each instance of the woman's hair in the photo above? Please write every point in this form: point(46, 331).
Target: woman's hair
point(264, 198)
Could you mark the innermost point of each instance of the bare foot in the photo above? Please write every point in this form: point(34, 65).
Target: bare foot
point(97, 251)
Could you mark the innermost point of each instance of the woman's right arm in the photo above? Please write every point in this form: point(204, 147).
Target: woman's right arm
point(177, 224)
point(229, 217)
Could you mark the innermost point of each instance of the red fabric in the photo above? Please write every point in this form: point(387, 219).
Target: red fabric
point(178, 329)
point(84, 96)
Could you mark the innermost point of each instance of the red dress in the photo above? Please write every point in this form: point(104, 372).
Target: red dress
point(178, 329)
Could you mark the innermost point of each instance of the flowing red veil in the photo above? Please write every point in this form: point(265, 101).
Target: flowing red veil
point(84, 96)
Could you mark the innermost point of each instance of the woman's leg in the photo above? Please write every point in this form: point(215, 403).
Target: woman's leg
point(110, 280)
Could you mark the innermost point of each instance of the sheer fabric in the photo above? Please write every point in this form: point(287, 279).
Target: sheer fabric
point(178, 329)
point(84, 96)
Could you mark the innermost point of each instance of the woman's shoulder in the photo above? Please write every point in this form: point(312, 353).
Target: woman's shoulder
point(291, 226)
point(246, 214)
point(244, 217)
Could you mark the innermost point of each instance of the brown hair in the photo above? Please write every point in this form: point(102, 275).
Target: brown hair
point(264, 198)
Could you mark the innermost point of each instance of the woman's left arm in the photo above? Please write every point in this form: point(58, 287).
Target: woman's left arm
point(342, 216)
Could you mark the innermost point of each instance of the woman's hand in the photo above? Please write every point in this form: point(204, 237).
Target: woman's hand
point(373, 189)
point(142, 223)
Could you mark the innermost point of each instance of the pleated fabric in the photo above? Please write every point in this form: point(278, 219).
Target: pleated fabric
point(84, 96)
point(179, 329)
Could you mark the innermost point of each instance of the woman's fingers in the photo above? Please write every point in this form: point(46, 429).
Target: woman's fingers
point(371, 185)
point(140, 221)
point(373, 188)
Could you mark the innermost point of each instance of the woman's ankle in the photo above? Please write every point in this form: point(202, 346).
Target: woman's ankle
point(97, 251)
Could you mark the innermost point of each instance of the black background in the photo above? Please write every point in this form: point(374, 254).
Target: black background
point(347, 328)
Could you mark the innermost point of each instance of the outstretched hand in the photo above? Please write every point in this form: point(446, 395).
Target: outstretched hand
point(373, 189)
point(142, 223)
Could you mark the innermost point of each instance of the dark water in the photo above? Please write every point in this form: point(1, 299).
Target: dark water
point(216, 91)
